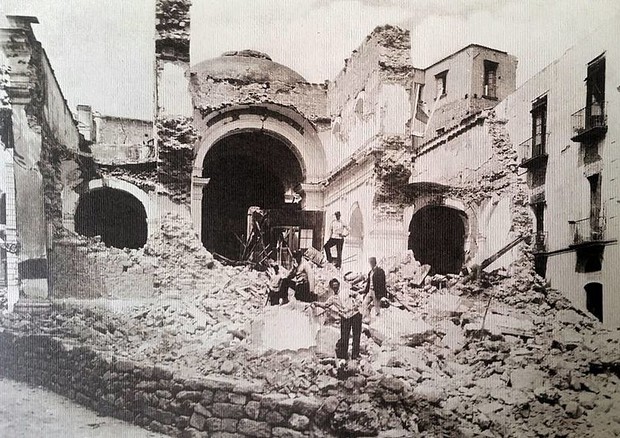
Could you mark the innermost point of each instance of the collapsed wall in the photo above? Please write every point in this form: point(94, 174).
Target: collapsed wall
point(175, 135)
point(176, 138)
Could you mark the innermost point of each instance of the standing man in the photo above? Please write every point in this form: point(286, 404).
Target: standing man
point(337, 232)
point(375, 287)
point(347, 305)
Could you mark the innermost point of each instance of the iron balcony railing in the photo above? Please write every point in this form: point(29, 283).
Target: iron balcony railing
point(583, 122)
point(591, 229)
point(540, 242)
point(530, 149)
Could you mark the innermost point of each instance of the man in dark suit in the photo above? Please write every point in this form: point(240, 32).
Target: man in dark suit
point(375, 287)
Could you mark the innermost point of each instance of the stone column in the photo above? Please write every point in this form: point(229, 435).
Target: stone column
point(24, 88)
point(313, 197)
point(198, 186)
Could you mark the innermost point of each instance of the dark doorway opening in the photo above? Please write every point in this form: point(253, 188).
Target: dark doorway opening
point(594, 299)
point(115, 215)
point(437, 238)
point(590, 259)
point(245, 170)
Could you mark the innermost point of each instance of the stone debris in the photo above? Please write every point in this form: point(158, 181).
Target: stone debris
point(536, 367)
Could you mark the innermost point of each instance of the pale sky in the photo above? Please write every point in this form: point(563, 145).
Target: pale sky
point(102, 50)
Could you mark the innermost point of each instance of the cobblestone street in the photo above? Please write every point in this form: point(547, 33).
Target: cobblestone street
point(26, 411)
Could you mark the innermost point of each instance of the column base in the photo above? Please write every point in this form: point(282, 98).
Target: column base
point(32, 307)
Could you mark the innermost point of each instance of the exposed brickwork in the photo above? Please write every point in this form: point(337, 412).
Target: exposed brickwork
point(173, 29)
point(176, 156)
point(308, 99)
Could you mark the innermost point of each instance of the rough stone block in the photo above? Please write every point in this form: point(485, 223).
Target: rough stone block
point(271, 401)
point(124, 366)
point(283, 432)
point(194, 385)
point(147, 385)
point(247, 387)
point(182, 421)
point(227, 435)
point(237, 399)
point(214, 424)
point(198, 421)
point(306, 405)
point(229, 424)
point(193, 433)
point(274, 417)
point(220, 397)
point(165, 417)
point(161, 373)
point(207, 397)
point(228, 410)
point(253, 428)
point(200, 409)
point(299, 422)
point(162, 393)
point(252, 409)
point(219, 382)
point(189, 395)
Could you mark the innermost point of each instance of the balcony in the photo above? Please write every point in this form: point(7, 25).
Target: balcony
point(540, 242)
point(588, 231)
point(589, 124)
point(533, 155)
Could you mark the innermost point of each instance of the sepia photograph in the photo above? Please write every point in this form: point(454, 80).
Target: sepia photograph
point(309, 218)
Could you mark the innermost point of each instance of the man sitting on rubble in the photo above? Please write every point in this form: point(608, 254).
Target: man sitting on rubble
point(277, 286)
point(346, 304)
point(375, 290)
point(303, 276)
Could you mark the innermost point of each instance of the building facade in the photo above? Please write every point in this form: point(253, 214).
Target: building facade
point(450, 161)
point(563, 123)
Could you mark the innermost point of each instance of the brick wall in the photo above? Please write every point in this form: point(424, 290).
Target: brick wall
point(155, 398)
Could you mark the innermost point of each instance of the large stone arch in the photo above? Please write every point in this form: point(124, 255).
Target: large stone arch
point(150, 206)
point(471, 215)
point(464, 212)
point(283, 124)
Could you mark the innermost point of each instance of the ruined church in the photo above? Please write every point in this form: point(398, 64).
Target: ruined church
point(451, 161)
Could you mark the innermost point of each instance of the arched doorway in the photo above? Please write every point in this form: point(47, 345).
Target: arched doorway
point(115, 215)
point(437, 237)
point(245, 169)
point(594, 299)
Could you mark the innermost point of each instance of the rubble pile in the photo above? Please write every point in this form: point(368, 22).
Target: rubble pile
point(183, 262)
point(497, 355)
point(85, 267)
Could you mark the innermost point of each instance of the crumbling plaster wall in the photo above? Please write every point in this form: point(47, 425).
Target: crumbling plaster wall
point(371, 104)
point(174, 132)
point(122, 131)
point(464, 86)
point(44, 134)
point(371, 96)
point(211, 94)
point(477, 167)
point(566, 190)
